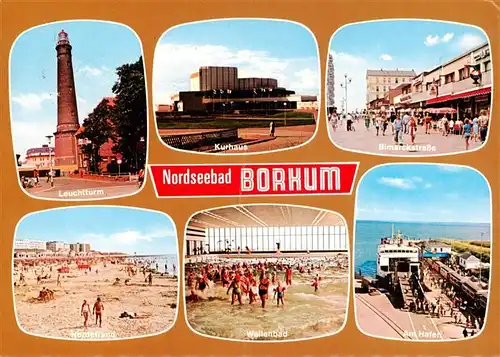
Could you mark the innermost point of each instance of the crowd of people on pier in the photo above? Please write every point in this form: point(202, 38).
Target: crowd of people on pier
point(389, 121)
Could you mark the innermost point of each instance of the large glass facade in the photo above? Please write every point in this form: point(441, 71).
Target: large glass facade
point(288, 239)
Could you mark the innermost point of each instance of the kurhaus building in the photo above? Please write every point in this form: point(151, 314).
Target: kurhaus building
point(219, 90)
point(463, 83)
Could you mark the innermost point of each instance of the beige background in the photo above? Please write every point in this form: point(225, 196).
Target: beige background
point(150, 20)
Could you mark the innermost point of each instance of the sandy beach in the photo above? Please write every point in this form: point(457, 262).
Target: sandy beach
point(155, 305)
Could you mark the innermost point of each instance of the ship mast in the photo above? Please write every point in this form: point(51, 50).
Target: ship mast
point(392, 234)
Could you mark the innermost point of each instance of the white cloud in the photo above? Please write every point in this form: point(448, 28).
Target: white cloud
point(89, 71)
point(450, 168)
point(29, 134)
point(126, 240)
point(356, 68)
point(428, 185)
point(397, 182)
point(432, 40)
point(448, 37)
point(417, 179)
point(173, 64)
point(386, 57)
point(468, 41)
point(33, 101)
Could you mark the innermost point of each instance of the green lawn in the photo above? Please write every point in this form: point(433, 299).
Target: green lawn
point(482, 251)
point(229, 123)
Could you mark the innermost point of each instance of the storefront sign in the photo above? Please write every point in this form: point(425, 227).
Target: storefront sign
point(483, 54)
point(405, 98)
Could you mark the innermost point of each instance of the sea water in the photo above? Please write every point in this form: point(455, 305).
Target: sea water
point(369, 233)
point(161, 260)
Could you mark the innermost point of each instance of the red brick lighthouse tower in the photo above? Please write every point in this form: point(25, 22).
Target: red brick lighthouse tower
point(66, 149)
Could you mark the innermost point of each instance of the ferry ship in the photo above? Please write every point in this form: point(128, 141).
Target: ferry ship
point(397, 257)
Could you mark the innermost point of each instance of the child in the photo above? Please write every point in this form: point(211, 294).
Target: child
point(315, 284)
point(280, 292)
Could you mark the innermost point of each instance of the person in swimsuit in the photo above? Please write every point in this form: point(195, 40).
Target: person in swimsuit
point(280, 292)
point(202, 283)
point(288, 274)
point(236, 286)
point(97, 311)
point(264, 289)
point(85, 311)
point(315, 284)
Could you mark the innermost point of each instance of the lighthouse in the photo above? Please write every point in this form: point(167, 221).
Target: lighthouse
point(66, 148)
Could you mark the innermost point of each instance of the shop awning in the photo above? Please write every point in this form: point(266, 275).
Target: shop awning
point(467, 94)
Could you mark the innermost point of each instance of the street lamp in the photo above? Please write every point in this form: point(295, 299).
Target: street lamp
point(284, 104)
point(50, 178)
point(344, 85)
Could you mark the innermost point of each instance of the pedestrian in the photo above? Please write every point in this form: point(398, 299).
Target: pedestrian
point(271, 129)
point(398, 126)
point(412, 129)
point(349, 122)
point(467, 134)
point(483, 125)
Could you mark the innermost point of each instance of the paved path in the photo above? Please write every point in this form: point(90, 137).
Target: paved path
point(367, 141)
point(81, 189)
point(378, 317)
point(286, 137)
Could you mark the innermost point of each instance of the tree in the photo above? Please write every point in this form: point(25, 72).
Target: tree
point(130, 113)
point(97, 129)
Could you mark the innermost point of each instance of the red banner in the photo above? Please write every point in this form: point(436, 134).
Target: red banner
point(253, 179)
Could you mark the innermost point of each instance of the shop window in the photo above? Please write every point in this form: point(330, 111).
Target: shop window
point(403, 80)
point(487, 66)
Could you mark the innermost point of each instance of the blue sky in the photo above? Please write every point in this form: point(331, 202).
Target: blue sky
point(98, 49)
point(259, 48)
point(424, 193)
point(116, 229)
point(402, 44)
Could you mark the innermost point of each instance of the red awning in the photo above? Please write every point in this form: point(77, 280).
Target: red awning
point(472, 93)
point(444, 98)
point(468, 94)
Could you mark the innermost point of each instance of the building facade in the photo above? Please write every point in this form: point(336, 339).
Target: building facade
point(213, 77)
point(40, 158)
point(451, 84)
point(253, 83)
point(28, 244)
point(378, 82)
point(330, 83)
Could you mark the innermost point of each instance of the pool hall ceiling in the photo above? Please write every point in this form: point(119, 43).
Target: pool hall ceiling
point(265, 216)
